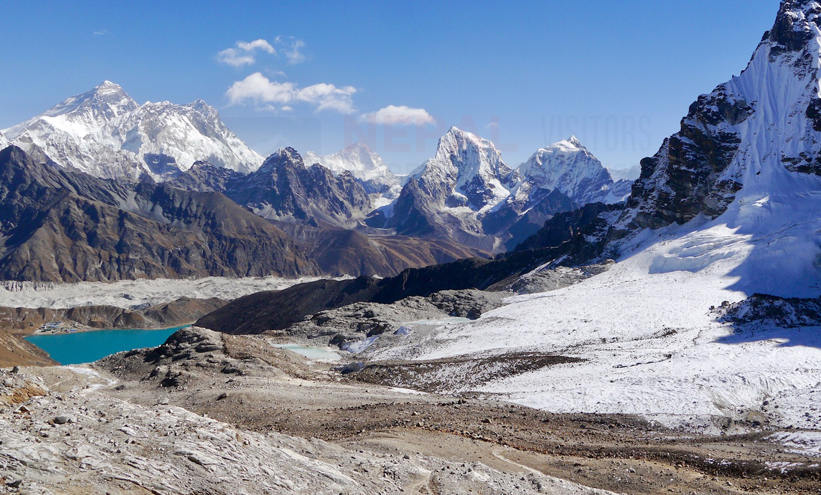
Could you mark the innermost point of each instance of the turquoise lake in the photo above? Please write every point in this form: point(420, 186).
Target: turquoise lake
point(86, 347)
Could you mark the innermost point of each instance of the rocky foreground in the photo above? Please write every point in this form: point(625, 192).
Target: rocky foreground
point(213, 413)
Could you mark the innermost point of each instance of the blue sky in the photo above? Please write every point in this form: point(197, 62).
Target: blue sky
point(619, 75)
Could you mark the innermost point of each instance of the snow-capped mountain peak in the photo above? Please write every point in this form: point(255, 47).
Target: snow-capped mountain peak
point(357, 159)
point(573, 141)
point(81, 114)
point(569, 167)
point(282, 155)
point(366, 166)
point(470, 154)
point(107, 96)
point(471, 168)
point(104, 132)
point(204, 109)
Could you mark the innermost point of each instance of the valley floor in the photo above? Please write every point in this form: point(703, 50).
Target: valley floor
point(209, 413)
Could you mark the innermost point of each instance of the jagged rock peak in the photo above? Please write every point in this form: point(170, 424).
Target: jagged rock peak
point(796, 24)
point(464, 157)
point(281, 155)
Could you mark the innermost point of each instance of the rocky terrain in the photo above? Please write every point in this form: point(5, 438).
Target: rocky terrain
point(165, 315)
point(61, 225)
point(285, 188)
point(210, 413)
point(340, 252)
point(14, 351)
point(764, 310)
point(269, 310)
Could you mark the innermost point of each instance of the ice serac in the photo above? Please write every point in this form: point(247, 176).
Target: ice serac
point(105, 133)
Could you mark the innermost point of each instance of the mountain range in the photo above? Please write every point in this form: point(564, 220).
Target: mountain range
point(465, 201)
point(105, 133)
point(366, 166)
point(469, 194)
point(700, 309)
point(732, 196)
point(59, 224)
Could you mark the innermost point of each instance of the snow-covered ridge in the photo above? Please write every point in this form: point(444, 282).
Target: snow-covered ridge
point(105, 133)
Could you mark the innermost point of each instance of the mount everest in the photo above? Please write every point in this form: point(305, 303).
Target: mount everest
point(105, 133)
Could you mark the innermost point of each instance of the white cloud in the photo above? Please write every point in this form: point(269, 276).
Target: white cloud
point(243, 54)
point(401, 114)
point(260, 44)
point(102, 32)
point(232, 56)
point(291, 47)
point(328, 97)
point(261, 90)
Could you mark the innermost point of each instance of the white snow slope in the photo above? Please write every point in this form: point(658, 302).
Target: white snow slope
point(105, 133)
point(645, 329)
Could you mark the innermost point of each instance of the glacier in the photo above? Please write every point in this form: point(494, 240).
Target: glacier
point(649, 330)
